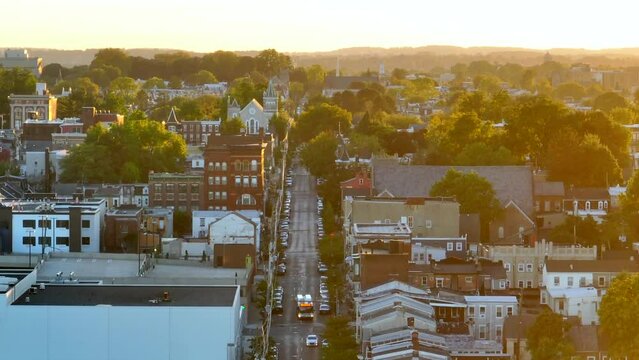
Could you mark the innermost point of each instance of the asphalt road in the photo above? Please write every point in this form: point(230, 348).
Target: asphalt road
point(301, 275)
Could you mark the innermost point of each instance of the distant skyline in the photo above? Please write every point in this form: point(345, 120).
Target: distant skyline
point(307, 26)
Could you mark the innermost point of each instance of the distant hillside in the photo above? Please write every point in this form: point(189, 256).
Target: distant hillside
point(424, 58)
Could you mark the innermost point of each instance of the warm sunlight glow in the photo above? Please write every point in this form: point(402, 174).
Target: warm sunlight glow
point(289, 25)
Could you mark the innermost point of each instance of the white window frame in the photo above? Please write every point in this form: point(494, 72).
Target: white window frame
point(449, 246)
point(499, 311)
point(459, 246)
point(529, 267)
point(482, 311)
point(520, 267)
point(507, 267)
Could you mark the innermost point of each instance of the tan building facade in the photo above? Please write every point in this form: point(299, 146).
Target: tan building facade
point(426, 217)
point(524, 264)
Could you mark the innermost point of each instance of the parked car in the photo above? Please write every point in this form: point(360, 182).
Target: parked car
point(325, 309)
point(281, 269)
point(278, 308)
point(322, 268)
point(325, 343)
point(312, 340)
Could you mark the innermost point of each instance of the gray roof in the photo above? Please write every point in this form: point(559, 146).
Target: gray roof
point(549, 188)
point(509, 182)
point(345, 82)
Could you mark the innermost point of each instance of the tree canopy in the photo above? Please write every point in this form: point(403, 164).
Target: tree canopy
point(474, 193)
point(547, 338)
point(322, 117)
point(124, 153)
point(619, 318)
point(318, 155)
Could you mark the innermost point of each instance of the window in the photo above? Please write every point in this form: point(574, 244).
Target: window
point(223, 180)
point(529, 267)
point(556, 281)
point(557, 206)
point(520, 267)
point(500, 232)
point(86, 240)
point(62, 240)
point(360, 181)
point(170, 197)
point(469, 279)
point(26, 240)
point(253, 181)
point(449, 246)
point(182, 188)
point(482, 332)
point(459, 246)
point(498, 332)
point(170, 188)
point(471, 311)
point(482, 311)
point(509, 311)
point(211, 195)
point(47, 240)
point(157, 188)
point(86, 224)
point(218, 181)
point(217, 195)
point(238, 165)
point(582, 281)
point(602, 281)
point(410, 222)
point(44, 224)
point(223, 193)
point(245, 165)
point(246, 199)
point(537, 205)
point(425, 280)
point(439, 282)
point(211, 182)
point(253, 165)
point(600, 205)
point(202, 221)
point(499, 311)
point(238, 181)
point(543, 297)
point(520, 284)
point(507, 284)
point(529, 284)
point(507, 266)
point(224, 166)
point(561, 305)
point(157, 197)
point(587, 205)
point(502, 284)
point(547, 206)
point(245, 181)
point(570, 281)
point(211, 166)
point(28, 224)
point(195, 188)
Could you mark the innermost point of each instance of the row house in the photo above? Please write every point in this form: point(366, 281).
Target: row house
point(182, 192)
point(194, 132)
point(378, 253)
point(234, 172)
point(576, 287)
point(202, 219)
point(585, 202)
point(524, 264)
point(486, 315)
point(465, 276)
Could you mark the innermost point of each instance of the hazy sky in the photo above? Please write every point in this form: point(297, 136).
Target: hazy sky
point(299, 25)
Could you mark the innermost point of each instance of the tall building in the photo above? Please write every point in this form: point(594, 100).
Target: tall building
point(19, 58)
point(179, 191)
point(38, 106)
point(234, 172)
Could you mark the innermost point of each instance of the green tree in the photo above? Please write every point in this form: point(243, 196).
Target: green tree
point(112, 57)
point(547, 338)
point(279, 124)
point(154, 82)
point(574, 229)
point(623, 115)
point(480, 153)
point(232, 126)
point(14, 81)
point(270, 62)
point(608, 101)
point(245, 89)
point(619, 318)
point(125, 88)
point(474, 194)
point(571, 89)
point(322, 117)
point(341, 340)
point(319, 154)
point(203, 77)
point(124, 153)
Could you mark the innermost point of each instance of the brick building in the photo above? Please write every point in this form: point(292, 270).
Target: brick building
point(90, 116)
point(234, 172)
point(179, 191)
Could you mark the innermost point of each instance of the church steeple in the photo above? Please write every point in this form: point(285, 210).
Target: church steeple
point(270, 99)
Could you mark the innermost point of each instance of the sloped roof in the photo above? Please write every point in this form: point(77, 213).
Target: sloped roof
point(172, 117)
point(516, 326)
point(254, 103)
point(588, 193)
point(394, 286)
point(588, 266)
point(270, 90)
point(549, 188)
point(585, 338)
point(509, 182)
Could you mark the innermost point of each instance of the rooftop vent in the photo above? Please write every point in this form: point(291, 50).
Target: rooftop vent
point(166, 297)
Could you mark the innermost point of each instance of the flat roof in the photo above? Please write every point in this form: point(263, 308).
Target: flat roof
point(386, 229)
point(490, 298)
point(130, 295)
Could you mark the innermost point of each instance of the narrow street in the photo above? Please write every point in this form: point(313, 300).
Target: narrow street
point(302, 275)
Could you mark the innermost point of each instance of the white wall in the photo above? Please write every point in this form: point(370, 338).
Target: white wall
point(233, 229)
point(549, 279)
point(18, 232)
point(117, 332)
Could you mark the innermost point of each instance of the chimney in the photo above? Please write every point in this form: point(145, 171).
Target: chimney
point(414, 339)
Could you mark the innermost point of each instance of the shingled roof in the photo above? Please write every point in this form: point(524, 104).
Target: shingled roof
point(509, 182)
